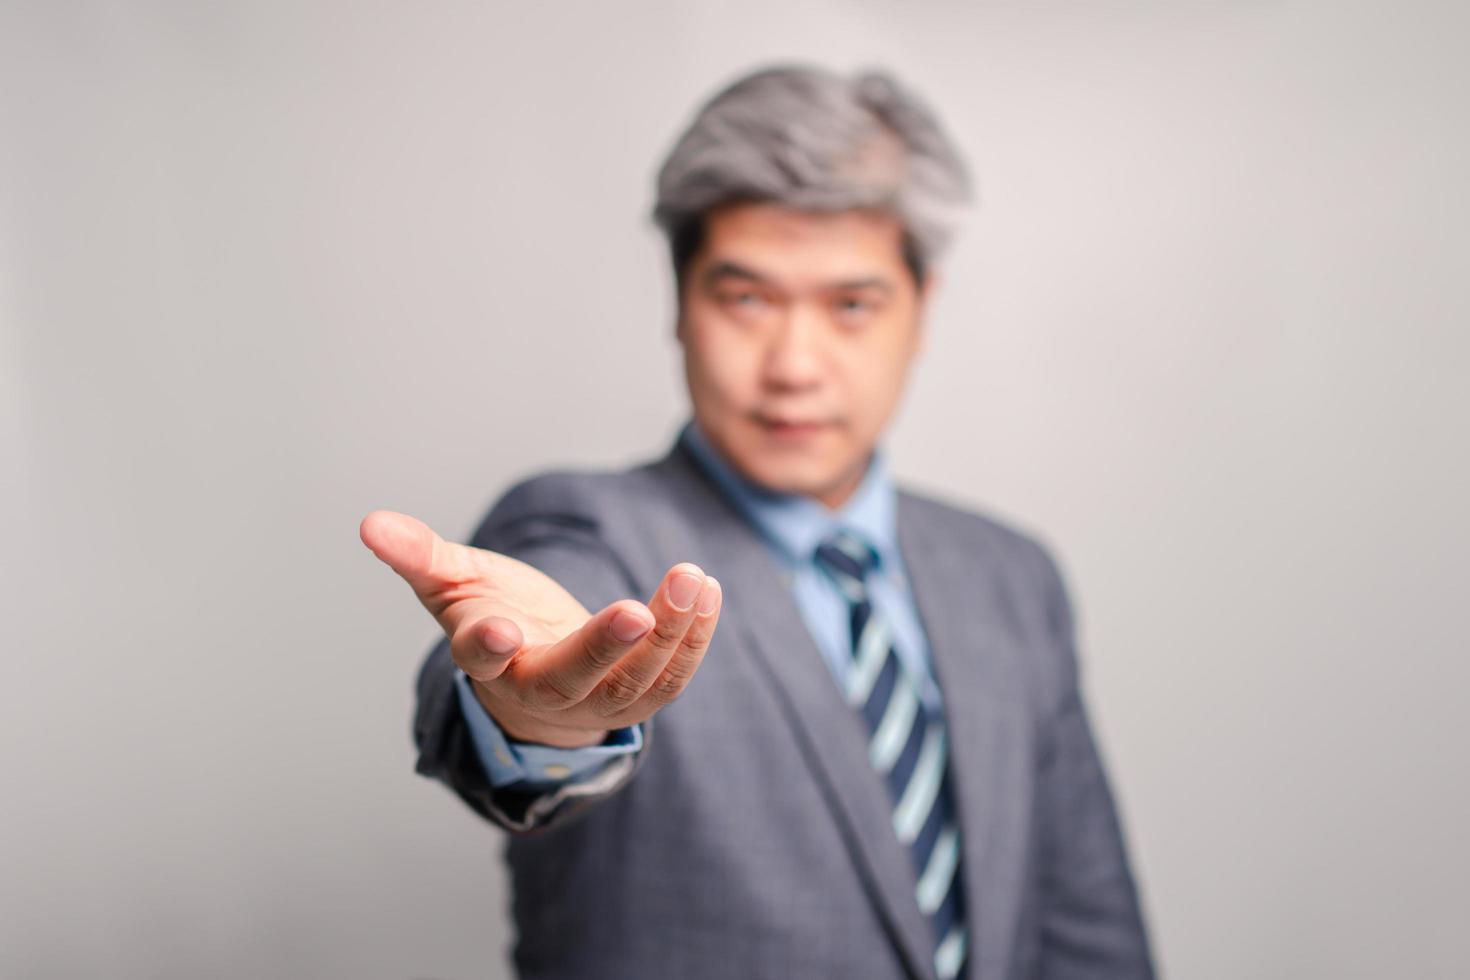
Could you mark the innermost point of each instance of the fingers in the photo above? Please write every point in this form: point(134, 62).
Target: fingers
point(483, 648)
point(561, 675)
point(683, 607)
point(677, 673)
point(567, 673)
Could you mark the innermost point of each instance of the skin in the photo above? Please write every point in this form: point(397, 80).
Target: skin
point(798, 331)
point(546, 669)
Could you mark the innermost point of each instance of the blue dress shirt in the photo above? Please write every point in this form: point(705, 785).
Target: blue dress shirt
point(792, 526)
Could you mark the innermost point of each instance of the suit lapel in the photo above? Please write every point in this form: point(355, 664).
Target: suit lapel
point(828, 733)
point(959, 601)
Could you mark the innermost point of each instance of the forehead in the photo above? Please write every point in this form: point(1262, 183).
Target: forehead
point(803, 249)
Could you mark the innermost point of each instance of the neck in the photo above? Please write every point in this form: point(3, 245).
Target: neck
point(841, 492)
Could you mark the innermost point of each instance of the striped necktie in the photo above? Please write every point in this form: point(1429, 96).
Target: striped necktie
point(907, 747)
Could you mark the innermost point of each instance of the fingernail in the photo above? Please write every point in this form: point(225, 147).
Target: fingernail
point(498, 643)
point(684, 589)
point(627, 626)
point(710, 597)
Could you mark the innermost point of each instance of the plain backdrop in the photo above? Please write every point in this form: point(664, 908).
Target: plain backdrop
point(265, 267)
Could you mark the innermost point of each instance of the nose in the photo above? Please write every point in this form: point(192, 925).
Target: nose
point(793, 358)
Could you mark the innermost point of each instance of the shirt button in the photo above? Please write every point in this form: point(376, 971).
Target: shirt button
point(503, 756)
point(557, 771)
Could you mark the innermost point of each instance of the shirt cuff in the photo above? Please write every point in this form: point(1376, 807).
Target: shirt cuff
point(542, 766)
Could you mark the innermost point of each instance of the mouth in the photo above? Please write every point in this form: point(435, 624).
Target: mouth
point(784, 427)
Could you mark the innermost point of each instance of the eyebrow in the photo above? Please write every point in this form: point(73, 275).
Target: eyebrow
point(726, 269)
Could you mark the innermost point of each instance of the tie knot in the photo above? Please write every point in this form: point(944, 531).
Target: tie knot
point(848, 559)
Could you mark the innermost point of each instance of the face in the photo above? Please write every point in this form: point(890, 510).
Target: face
point(798, 330)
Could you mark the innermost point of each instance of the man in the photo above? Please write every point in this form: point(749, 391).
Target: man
point(884, 767)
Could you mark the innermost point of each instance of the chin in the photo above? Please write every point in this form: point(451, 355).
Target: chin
point(780, 466)
point(782, 477)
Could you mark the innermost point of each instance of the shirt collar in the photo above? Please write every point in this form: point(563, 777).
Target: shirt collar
point(795, 524)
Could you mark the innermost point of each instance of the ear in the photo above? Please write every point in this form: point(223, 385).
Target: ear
point(680, 330)
point(931, 283)
point(921, 310)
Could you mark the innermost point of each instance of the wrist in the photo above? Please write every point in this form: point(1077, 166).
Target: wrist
point(529, 732)
point(561, 738)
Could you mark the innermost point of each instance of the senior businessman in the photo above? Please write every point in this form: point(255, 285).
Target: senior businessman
point(879, 765)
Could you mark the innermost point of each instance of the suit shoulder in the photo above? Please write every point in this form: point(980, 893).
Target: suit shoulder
point(571, 496)
point(1024, 570)
point(978, 526)
point(621, 515)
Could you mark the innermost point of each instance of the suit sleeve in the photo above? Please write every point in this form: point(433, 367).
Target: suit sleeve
point(1091, 923)
point(541, 523)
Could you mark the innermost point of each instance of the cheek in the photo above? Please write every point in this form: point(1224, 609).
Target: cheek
point(724, 366)
point(876, 378)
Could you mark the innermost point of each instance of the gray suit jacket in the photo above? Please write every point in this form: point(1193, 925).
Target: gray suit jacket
point(750, 837)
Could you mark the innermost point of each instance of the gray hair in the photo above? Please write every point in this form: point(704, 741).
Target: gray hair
point(811, 139)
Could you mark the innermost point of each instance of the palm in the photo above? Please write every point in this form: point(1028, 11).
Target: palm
point(498, 585)
point(542, 664)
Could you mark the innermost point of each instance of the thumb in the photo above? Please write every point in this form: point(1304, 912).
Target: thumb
point(408, 546)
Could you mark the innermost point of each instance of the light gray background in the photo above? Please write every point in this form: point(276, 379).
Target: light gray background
point(265, 267)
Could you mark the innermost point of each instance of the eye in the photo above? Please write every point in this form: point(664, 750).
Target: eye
point(855, 310)
point(745, 302)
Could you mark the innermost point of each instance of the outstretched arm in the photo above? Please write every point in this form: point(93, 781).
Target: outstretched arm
point(544, 668)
